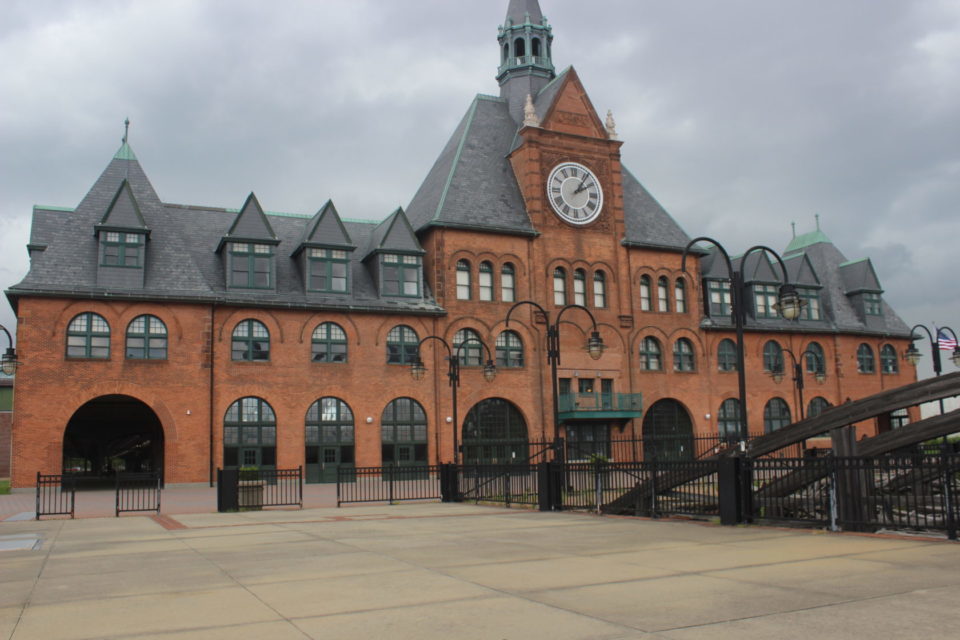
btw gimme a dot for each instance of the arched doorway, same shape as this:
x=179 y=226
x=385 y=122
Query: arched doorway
x=494 y=432
x=667 y=432
x=110 y=434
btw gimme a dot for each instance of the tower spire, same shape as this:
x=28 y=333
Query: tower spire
x=526 y=54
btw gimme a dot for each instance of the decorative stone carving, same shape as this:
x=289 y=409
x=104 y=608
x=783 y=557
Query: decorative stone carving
x=611 y=125
x=530 y=118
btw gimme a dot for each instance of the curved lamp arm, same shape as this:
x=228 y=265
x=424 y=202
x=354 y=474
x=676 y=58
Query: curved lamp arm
x=489 y=369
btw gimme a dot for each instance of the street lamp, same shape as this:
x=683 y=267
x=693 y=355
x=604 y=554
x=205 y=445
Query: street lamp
x=418 y=370
x=789 y=305
x=913 y=355
x=819 y=376
x=9 y=363
x=594 y=348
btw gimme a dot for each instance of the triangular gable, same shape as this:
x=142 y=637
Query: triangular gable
x=859 y=276
x=394 y=234
x=251 y=224
x=571 y=110
x=757 y=268
x=326 y=229
x=801 y=271
x=123 y=212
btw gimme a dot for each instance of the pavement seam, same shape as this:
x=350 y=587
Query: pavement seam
x=43 y=565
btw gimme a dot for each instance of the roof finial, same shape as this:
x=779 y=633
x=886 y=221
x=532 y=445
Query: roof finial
x=817 y=216
x=530 y=118
x=126 y=130
x=610 y=125
x=794 y=226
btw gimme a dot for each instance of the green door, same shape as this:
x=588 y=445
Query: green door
x=250 y=457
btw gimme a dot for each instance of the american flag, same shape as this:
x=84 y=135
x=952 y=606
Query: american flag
x=946 y=341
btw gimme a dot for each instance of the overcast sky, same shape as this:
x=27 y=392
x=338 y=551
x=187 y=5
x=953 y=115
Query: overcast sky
x=739 y=116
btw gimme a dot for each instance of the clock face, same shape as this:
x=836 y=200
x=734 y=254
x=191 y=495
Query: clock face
x=574 y=193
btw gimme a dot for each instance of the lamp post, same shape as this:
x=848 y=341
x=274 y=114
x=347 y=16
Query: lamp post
x=819 y=376
x=594 y=347
x=418 y=370
x=789 y=306
x=9 y=363
x=913 y=354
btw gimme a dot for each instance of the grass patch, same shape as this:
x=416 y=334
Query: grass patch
x=4 y=487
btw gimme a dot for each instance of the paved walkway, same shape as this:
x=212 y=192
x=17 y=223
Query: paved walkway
x=460 y=571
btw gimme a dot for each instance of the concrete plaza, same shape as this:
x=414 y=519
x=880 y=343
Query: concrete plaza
x=461 y=571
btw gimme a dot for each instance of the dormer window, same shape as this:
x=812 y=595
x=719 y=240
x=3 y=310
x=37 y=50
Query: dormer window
x=118 y=249
x=871 y=304
x=400 y=275
x=810 y=309
x=327 y=270
x=765 y=298
x=251 y=265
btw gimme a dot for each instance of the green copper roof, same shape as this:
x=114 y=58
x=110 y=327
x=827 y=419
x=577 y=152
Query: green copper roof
x=124 y=153
x=807 y=239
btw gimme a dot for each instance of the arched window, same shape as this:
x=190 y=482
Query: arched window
x=865 y=363
x=683 y=359
x=663 y=301
x=559 y=287
x=776 y=415
x=817 y=406
x=485 y=282
x=88 y=336
x=899 y=418
x=535 y=47
x=519 y=48
x=772 y=357
x=329 y=343
x=508 y=283
x=509 y=350
x=494 y=432
x=146 y=339
x=816 y=359
x=667 y=432
x=727 y=355
x=728 y=418
x=888 y=359
x=329 y=439
x=403 y=433
x=463 y=280
x=251 y=341
x=650 y=355
x=599 y=290
x=645 y=304
x=580 y=287
x=506 y=52
x=471 y=354
x=680 y=295
x=402 y=344
x=250 y=434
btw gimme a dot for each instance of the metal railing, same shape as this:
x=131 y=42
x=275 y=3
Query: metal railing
x=56 y=495
x=504 y=484
x=598 y=401
x=388 y=484
x=137 y=492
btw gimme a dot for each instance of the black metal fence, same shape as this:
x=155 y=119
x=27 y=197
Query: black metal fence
x=137 y=492
x=56 y=495
x=505 y=484
x=252 y=489
x=388 y=484
x=662 y=448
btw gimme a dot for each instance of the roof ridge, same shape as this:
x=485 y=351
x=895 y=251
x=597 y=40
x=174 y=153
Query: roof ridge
x=456 y=160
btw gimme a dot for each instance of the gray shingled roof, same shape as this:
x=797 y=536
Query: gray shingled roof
x=326 y=229
x=518 y=10
x=647 y=223
x=181 y=263
x=124 y=212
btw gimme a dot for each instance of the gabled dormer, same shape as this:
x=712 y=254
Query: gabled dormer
x=762 y=281
x=122 y=235
x=395 y=258
x=804 y=277
x=249 y=250
x=862 y=287
x=324 y=253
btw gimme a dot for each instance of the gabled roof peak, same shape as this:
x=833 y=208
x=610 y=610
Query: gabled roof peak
x=523 y=11
x=251 y=224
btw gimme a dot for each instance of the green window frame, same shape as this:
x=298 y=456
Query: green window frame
x=403 y=433
x=485 y=282
x=872 y=304
x=865 y=361
x=680 y=295
x=899 y=418
x=560 y=287
x=816 y=364
x=683 y=356
x=645 y=301
x=146 y=339
x=400 y=275
x=719 y=295
x=888 y=359
x=88 y=337
x=251 y=265
x=251 y=341
x=471 y=355
x=650 y=354
x=402 y=345
x=329 y=343
x=250 y=427
x=329 y=424
x=727 y=355
x=463 y=280
x=509 y=350
x=729 y=418
x=328 y=270
x=580 y=287
x=776 y=415
x=772 y=357
x=811 y=306
x=663 y=295
x=817 y=406
x=508 y=283
x=120 y=249
x=600 y=290
x=765 y=299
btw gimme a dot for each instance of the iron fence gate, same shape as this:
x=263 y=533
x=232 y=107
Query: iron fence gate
x=56 y=495
x=389 y=484
x=258 y=488
x=137 y=492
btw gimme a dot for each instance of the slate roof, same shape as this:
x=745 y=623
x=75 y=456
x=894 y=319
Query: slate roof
x=518 y=10
x=181 y=262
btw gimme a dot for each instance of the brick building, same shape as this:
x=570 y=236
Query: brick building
x=184 y=338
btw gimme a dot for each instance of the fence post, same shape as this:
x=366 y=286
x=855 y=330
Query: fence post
x=228 y=490
x=653 y=485
x=390 y=475
x=449 y=487
x=948 y=492
x=730 y=488
x=549 y=479
x=37 y=512
x=597 y=484
x=834 y=526
x=116 y=495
